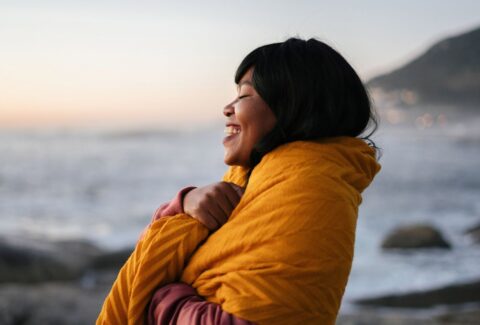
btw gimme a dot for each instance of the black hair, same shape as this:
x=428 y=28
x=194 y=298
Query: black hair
x=313 y=92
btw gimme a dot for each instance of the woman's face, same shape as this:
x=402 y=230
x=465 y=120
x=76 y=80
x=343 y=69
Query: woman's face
x=248 y=119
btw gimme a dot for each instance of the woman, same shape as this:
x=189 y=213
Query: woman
x=273 y=243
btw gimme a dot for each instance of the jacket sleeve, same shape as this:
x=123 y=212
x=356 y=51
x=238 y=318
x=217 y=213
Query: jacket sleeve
x=178 y=303
x=157 y=260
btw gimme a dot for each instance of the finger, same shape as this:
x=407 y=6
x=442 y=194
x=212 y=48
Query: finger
x=215 y=211
x=225 y=206
x=238 y=189
x=224 y=203
x=232 y=194
x=208 y=221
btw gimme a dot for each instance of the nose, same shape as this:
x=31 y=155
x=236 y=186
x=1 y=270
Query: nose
x=229 y=109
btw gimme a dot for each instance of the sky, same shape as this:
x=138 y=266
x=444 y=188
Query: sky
x=104 y=63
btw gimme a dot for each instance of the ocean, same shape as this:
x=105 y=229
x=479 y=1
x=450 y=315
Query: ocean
x=104 y=185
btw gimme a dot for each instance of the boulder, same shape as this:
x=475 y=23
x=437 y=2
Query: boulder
x=449 y=295
x=474 y=232
x=37 y=260
x=111 y=260
x=415 y=236
x=50 y=304
x=453 y=315
x=372 y=316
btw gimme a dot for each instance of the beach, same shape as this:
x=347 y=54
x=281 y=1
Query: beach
x=98 y=189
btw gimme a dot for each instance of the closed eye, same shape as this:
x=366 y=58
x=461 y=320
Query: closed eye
x=243 y=96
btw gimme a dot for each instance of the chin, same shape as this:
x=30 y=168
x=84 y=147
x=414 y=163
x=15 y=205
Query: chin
x=233 y=162
x=228 y=160
x=235 y=159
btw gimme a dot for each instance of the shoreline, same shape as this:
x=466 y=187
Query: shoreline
x=66 y=282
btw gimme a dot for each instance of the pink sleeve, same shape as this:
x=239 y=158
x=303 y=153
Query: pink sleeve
x=178 y=303
x=175 y=206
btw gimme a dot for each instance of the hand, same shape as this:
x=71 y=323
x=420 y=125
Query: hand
x=212 y=204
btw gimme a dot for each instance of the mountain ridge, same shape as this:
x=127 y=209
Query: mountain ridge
x=448 y=72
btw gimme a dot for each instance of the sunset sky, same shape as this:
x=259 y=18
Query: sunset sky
x=165 y=63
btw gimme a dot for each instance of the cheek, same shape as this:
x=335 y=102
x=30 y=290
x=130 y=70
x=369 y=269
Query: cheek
x=267 y=120
x=256 y=120
x=257 y=130
x=257 y=126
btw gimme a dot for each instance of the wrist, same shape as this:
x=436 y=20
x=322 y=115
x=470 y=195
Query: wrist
x=181 y=197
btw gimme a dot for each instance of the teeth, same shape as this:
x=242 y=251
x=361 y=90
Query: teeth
x=232 y=130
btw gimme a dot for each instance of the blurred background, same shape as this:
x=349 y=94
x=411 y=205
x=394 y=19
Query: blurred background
x=108 y=108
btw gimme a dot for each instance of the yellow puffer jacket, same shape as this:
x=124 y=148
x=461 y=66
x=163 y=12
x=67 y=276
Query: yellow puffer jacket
x=284 y=255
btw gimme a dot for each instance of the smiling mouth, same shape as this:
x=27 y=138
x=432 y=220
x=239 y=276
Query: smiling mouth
x=231 y=130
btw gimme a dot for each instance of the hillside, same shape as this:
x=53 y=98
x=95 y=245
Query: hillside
x=447 y=73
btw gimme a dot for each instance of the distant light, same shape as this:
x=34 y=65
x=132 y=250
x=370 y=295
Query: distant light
x=395 y=116
x=408 y=97
x=424 y=121
x=442 y=120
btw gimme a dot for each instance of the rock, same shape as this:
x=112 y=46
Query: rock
x=451 y=315
x=415 y=236
x=463 y=316
x=37 y=260
x=448 y=295
x=78 y=247
x=373 y=316
x=111 y=260
x=52 y=303
x=474 y=232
